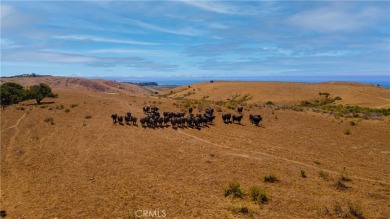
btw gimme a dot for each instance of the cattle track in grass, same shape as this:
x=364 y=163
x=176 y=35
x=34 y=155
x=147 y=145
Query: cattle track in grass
x=249 y=155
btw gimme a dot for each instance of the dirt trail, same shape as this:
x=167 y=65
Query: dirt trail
x=12 y=139
x=249 y=155
x=16 y=124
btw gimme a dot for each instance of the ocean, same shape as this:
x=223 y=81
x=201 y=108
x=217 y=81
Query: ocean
x=383 y=81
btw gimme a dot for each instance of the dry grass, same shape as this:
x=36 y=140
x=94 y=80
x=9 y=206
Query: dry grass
x=106 y=170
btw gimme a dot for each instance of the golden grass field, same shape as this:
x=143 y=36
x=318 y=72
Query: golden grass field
x=85 y=166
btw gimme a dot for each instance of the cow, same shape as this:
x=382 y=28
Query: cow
x=226 y=117
x=120 y=120
x=146 y=109
x=143 y=121
x=134 y=120
x=166 y=121
x=190 y=110
x=173 y=122
x=160 y=121
x=209 y=117
x=196 y=121
x=239 y=109
x=237 y=118
x=127 y=119
x=209 y=111
x=255 y=119
x=114 y=118
x=154 y=109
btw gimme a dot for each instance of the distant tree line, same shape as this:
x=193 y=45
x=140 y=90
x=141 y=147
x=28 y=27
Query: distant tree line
x=149 y=83
x=27 y=75
x=12 y=93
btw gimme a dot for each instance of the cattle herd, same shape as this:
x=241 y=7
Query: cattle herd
x=154 y=119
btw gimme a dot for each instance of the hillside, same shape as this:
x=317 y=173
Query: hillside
x=286 y=92
x=67 y=83
x=67 y=159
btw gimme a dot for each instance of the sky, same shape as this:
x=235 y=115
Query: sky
x=185 y=39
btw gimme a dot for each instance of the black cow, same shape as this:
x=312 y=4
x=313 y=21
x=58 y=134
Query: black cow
x=134 y=120
x=146 y=109
x=167 y=114
x=209 y=111
x=226 y=117
x=190 y=110
x=114 y=117
x=239 y=109
x=196 y=121
x=154 y=109
x=166 y=120
x=255 y=119
x=209 y=117
x=237 y=118
x=143 y=121
x=120 y=120
x=127 y=119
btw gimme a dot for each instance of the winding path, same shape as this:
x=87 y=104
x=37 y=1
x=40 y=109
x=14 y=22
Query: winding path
x=248 y=155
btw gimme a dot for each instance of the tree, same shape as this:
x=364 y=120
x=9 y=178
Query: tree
x=39 y=92
x=11 y=93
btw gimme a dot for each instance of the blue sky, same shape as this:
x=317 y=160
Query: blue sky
x=181 y=39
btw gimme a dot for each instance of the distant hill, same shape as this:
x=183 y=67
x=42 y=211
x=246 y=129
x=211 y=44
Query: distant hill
x=68 y=83
x=285 y=92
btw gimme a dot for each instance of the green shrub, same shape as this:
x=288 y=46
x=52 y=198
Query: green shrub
x=271 y=178
x=234 y=189
x=269 y=103
x=347 y=132
x=259 y=195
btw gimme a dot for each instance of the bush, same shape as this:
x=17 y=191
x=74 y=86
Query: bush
x=303 y=174
x=259 y=195
x=88 y=116
x=243 y=210
x=73 y=105
x=353 y=123
x=49 y=120
x=347 y=132
x=323 y=175
x=269 y=103
x=67 y=110
x=271 y=178
x=344 y=176
x=234 y=189
x=340 y=185
x=355 y=210
x=60 y=107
